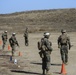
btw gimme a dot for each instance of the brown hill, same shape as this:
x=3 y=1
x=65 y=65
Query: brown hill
x=41 y=20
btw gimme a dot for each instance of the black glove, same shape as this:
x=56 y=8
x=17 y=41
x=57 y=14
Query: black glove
x=69 y=47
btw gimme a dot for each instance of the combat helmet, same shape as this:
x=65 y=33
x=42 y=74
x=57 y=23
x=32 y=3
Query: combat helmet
x=5 y=31
x=63 y=31
x=46 y=34
x=13 y=34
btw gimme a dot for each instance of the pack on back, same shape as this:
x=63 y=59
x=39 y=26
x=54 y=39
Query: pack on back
x=41 y=45
x=63 y=39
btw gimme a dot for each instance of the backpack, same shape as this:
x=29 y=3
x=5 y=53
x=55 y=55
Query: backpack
x=41 y=45
x=63 y=39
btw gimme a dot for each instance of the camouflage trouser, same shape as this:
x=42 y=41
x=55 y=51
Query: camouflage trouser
x=13 y=50
x=4 y=43
x=26 y=42
x=46 y=63
x=64 y=53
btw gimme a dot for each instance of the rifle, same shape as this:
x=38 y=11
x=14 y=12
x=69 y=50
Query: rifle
x=17 y=44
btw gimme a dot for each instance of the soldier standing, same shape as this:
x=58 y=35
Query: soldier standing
x=13 y=42
x=64 y=44
x=45 y=53
x=26 y=36
x=4 y=39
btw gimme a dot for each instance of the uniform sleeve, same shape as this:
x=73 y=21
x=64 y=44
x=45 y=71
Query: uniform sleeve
x=6 y=36
x=68 y=38
x=50 y=43
x=9 y=40
x=47 y=43
x=58 y=41
x=2 y=36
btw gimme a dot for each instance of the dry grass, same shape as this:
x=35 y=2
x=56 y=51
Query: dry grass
x=38 y=21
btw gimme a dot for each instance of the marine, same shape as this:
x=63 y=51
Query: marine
x=26 y=37
x=64 y=44
x=45 y=53
x=13 y=42
x=4 y=39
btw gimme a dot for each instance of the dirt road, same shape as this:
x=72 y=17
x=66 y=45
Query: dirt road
x=30 y=62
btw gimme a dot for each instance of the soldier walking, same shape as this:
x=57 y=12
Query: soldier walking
x=13 y=42
x=26 y=37
x=4 y=39
x=45 y=52
x=64 y=44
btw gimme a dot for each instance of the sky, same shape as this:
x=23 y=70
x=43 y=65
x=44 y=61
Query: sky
x=12 y=6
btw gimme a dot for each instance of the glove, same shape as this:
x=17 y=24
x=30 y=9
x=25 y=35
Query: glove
x=70 y=46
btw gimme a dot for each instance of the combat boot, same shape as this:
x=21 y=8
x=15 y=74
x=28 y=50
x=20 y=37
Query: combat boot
x=48 y=73
x=66 y=63
x=43 y=72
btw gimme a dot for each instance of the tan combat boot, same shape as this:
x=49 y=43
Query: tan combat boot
x=48 y=73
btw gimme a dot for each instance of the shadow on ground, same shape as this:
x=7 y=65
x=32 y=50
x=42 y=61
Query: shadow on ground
x=36 y=63
x=57 y=73
x=53 y=64
x=25 y=72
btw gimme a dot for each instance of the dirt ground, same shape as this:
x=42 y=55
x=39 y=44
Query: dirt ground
x=29 y=63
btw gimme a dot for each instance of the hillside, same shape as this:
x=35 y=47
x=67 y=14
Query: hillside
x=38 y=21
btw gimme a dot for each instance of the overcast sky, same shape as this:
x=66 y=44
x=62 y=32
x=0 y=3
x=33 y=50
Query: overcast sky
x=11 y=6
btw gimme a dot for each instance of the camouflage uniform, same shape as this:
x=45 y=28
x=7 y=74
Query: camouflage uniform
x=13 y=42
x=64 y=46
x=26 y=36
x=46 y=55
x=4 y=39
